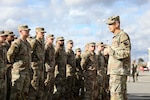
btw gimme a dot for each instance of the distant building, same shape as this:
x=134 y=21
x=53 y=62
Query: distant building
x=148 y=63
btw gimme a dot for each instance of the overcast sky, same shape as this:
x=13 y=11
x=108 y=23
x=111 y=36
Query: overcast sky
x=82 y=21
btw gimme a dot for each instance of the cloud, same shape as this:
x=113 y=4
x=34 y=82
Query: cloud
x=77 y=19
x=11 y=2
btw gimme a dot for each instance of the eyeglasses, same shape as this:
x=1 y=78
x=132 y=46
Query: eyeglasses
x=61 y=40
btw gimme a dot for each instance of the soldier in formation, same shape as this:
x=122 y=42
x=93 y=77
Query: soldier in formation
x=7 y=44
x=60 y=69
x=79 y=81
x=19 y=55
x=101 y=72
x=49 y=66
x=38 y=56
x=70 y=70
x=3 y=62
x=89 y=66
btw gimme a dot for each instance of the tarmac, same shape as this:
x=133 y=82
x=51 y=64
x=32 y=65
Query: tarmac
x=139 y=90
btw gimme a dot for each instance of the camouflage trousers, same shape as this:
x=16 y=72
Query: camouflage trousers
x=37 y=85
x=70 y=82
x=60 y=84
x=20 y=85
x=106 y=90
x=100 y=86
x=90 y=85
x=49 y=86
x=9 y=77
x=118 y=89
x=2 y=89
x=79 y=85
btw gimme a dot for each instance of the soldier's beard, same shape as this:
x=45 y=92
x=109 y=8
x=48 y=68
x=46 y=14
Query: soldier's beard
x=61 y=45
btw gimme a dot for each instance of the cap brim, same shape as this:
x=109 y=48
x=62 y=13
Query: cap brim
x=61 y=40
x=25 y=29
x=52 y=37
x=110 y=22
x=11 y=35
x=41 y=31
x=4 y=35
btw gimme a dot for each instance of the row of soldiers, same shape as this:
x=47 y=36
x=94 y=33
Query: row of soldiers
x=34 y=69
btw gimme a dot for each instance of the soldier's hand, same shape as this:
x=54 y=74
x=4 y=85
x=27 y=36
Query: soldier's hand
x=46 y=82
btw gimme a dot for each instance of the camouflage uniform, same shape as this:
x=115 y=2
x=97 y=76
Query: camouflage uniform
x=50 y=67
x=101 y=73
x=134 y=71
x=7 y=45
x=118 y=63
x=79 y=82
x=19 y=54
x=89 y=65
x=37 y=82
x=60 y=71
x=3 y=61
x=70 y=72
x=106 y=90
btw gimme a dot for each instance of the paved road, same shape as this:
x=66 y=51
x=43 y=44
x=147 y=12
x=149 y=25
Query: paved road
x=139 y=90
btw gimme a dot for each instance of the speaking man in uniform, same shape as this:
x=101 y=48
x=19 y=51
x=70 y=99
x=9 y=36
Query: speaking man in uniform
x=119 y=59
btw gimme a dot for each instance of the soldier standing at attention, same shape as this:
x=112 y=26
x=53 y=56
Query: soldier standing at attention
x=19 y=54
x=89 y=66
x=49 y=66
x=3 y=62
x=7 y=44
x=70 y=70
x=119 y=60
x=60 y=69
x=79 y=82
x=101 y=72
x=38 y=56
x=9 y=39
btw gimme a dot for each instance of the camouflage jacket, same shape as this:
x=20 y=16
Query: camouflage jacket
x=38 y=54
x=7 y=45
x=78 y=63
x=71 y=58
x=60 y=57
x=49 y=58
x=119 y=55
x=101 y=61
x=3 y=61
x=19 y=54
x=89 y=62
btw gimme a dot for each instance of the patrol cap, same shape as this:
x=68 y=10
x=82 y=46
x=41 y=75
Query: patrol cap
x=50 y=36
x=2 y=33
x=60 y=39
x=100 y=44
x=91 y=44
x=23 y=27
x=9 y=33
x=78 y=50
x=40 y=29
x=113 y=19
x=69 y=41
